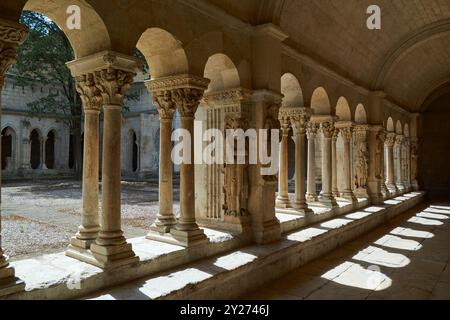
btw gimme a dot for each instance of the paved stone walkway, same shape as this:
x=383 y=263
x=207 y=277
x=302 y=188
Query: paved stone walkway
x=408 y=258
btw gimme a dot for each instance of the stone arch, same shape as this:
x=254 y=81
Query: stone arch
x=35 y=148
x=292 y=91
x=134 y=152
x=343 y=111
x=93 y=36
x=360 y=114
x=222 y=72
x=320 y=102
x=9 y=148
x=398 y=127
x=50 y=144
x=406 y=131
x=200 y=51
x=164 y=53
x=390 y=125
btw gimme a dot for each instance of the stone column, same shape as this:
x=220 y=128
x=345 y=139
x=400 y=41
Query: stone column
x=375 y=141
x=283 y=176
x=407 y=164
x=362 y=161
x=89 y=228
x=347 y=137
x=187 y=99
x=415 y=163
x=334 y=182
x=11 y=36
x=390 y=141
x=399 y=162
x=43 y=153
x=166 y=109
x=311 y=193
x=299 y=119
x=326 y=196
x=113 y=76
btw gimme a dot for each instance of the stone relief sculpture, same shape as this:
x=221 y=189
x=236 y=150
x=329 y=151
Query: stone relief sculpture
x=379 y=153
x=236 y=187
x=362 y=166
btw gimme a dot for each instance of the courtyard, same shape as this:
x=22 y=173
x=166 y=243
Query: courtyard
x=40 y=217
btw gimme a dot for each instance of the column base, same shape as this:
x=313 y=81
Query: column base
x=328 y=201
x=312 y=198
x=361 y=193
x=107 y=257
x=282 y=202
x=415 y=186
x=11 y=285
x=180 y=238
x=349 y=196
x=163 y=227
x=80 y=249
x=269 y=231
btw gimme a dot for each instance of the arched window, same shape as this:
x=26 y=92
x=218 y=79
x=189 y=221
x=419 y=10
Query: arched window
x=50 y=150
x=35 y=148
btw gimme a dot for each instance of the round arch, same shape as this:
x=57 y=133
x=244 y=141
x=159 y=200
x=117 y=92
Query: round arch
x=222 y=72
x=399 y=127
x=390 y=125
x=82 y=40
x=343 y=111
x=9 y=148
x=164 y=53
x=360 y=114
x=292 y=91
x=320 y=102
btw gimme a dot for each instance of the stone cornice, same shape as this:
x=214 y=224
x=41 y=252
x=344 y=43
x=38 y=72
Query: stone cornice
x=104 y=60
x=184 y=81
x=232 y=97
x=271 y=30
x=264 y=95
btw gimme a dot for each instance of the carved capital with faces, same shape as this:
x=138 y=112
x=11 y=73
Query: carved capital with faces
x=327 y=129
x=11 y=36
x=312 y=129
x=164 y=104
x=399 y=139
x=346 y=133
x=187 y=100
x=113 y=84
x=390 y=139
x=89 y=93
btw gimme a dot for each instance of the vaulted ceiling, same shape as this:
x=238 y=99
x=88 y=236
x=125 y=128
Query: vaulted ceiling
x=409 y=58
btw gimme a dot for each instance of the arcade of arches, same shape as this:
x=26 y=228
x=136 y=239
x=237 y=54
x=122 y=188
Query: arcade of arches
x=355 y=114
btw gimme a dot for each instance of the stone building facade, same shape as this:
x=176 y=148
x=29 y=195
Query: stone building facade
x=41 y=147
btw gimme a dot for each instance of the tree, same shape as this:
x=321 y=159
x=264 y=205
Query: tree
x=42 y=59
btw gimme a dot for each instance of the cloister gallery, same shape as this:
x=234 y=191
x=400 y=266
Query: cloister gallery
x=363 y=118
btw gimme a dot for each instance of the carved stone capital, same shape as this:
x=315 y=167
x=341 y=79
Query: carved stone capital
x=186 y=91
x=235 y=121
x=399 y=139
x=327 y=129
x=297 y=117
x=390 y=139
x=89 y=93
x=312 y=129
x=164 y=104
x=227 y=98
x=346 y=133
x=11 y=36
x=187 y=101
x=361 y=132
x=113 y=84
